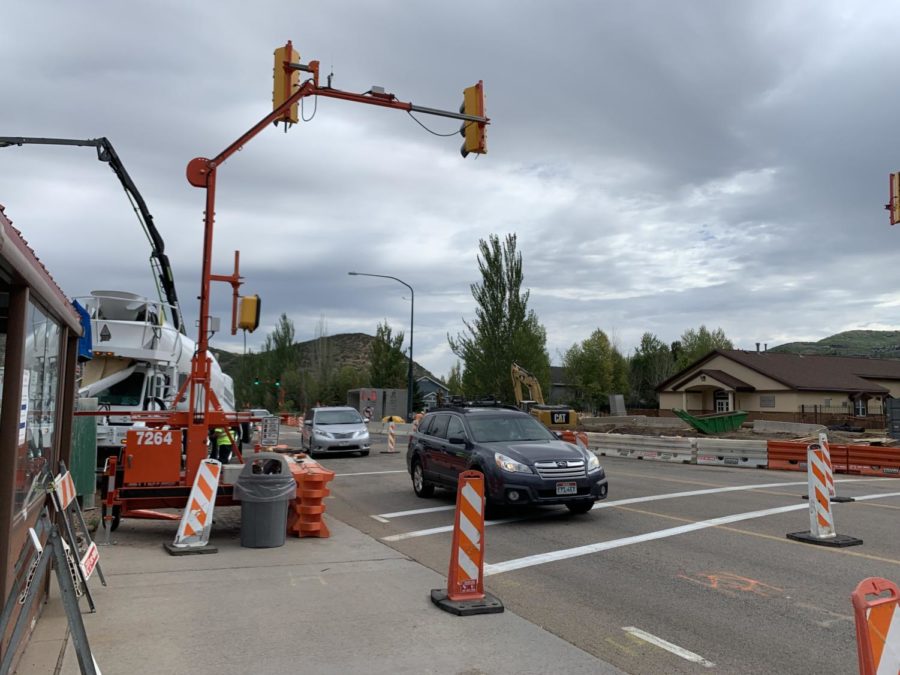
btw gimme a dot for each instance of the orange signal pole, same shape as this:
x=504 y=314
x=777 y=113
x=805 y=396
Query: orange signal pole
x=201 y=173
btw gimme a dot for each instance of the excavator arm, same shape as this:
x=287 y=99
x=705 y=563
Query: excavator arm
x=159 y=260
x=522 y=378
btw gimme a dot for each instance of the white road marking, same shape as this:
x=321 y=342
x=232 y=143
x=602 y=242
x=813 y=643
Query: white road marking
x=879 y=496
x=416 y=512
x=598 y=505
x=449 y=528
x=564 y=554
x=368 y=473
x=711 y=491
x=380 y=519
x=668 y=646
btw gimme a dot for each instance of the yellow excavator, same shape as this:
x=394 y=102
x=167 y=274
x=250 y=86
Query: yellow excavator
x=556 y=417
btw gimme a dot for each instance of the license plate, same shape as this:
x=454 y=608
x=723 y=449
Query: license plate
x=568 y=488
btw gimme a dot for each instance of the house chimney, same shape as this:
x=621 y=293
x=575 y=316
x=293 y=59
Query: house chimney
x=766 y=347
x=757 y=348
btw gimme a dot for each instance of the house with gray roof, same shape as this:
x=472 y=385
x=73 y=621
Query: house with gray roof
x=782 y=386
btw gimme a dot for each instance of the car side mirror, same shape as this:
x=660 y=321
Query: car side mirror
x=457 y=440
x=307 y=423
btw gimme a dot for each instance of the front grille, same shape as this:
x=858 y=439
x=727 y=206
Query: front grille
x=348 y=435
x=573 y=468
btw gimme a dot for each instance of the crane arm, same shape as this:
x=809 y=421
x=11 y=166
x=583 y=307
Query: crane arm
x=106 y=153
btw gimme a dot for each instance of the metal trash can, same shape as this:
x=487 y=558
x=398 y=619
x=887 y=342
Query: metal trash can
x=264 y=487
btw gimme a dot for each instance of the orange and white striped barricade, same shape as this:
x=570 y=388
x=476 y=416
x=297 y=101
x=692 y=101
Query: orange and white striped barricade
x=392 y=439
x=877 y=626
x=832 y=490
x=196 y=521
x=821 y=519
x=465 y=582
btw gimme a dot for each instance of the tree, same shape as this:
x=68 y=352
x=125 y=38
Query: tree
x=695 y=344
x=504 y=330
x=651 y=364
x=596 y=369
x=454 y=380
x=388 y=367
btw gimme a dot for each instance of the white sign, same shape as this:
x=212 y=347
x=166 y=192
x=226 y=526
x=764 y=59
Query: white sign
x=23 y=411
x=90 y=560
x=269 y=432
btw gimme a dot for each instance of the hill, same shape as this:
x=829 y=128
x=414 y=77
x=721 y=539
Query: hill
x=880 y=344
x=345 y=349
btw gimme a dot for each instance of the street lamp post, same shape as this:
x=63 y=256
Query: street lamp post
x=412 y=306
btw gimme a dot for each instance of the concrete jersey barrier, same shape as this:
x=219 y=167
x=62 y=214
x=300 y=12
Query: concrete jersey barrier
x=658 y=449
x=731 y=452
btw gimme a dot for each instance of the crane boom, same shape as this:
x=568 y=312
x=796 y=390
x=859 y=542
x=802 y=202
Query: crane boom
x=159 y=260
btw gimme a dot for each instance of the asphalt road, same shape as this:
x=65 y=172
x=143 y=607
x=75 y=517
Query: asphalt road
x=736 y=597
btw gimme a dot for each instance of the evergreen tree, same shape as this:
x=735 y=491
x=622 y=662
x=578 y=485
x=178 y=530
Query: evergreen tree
x=504 y=330
x=388 y=365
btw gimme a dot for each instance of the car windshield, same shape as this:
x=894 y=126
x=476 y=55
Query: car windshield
x=508 y=428
x=338 y=417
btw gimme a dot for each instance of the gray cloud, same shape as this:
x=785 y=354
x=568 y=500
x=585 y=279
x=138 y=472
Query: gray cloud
x=663 y=164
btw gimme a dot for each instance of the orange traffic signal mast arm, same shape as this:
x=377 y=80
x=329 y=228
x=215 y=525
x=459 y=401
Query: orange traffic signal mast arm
x=201 y=173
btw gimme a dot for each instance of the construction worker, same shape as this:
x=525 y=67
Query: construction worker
x=221 y=449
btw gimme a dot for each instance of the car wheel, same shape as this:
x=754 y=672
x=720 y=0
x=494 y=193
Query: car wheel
x=421 y=487
x=363 y=453
x=582 y=506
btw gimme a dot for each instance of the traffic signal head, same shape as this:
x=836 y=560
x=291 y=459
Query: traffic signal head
x=255 y=380
x=278 y=383
x=285 y=80
x=475 y=133
x=248 y=313
x=894 y=205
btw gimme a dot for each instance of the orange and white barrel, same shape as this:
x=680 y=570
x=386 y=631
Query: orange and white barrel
x=392 y=437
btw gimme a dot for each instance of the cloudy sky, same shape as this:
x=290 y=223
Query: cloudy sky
x=664 y=164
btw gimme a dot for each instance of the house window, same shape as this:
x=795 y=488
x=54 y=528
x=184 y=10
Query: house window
x=826 y=402
x=721 y=401
x=767 y=401
x=860 y=407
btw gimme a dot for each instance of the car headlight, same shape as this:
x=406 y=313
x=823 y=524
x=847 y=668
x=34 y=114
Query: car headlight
x=593 y=463
x=362 y=433
x=322 y=434
x=510 y=465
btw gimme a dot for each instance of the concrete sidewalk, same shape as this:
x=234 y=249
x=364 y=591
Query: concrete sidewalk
x=346 y=604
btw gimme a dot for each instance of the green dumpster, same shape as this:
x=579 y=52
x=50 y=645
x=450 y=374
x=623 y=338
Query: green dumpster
x=83 y=463
x=715 y=423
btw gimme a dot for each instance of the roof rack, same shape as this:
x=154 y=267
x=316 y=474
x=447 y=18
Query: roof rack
x=461 y=404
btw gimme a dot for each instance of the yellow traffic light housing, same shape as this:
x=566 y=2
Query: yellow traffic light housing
x=248 y=314
x=894 y=205
x=475 y=133
x=285 y=81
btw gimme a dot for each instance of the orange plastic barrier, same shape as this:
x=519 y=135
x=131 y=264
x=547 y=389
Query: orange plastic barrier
x=305 y=512
x=791 y=456
x=877 y=626
x=575 y=437
x=872 y=460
